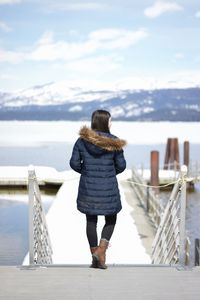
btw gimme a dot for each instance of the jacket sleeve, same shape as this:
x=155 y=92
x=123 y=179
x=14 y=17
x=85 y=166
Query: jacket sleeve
x=76 y=160
x=120 y=162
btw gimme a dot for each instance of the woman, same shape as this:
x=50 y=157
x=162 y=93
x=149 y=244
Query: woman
x=98 y=156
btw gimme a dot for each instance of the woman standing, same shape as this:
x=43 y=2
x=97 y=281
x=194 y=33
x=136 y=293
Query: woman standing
x=98 y=156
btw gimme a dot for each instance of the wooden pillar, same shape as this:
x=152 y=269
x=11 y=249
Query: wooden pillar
x=155 y=170
x=167 y=154
x=172 y=154
x=176 y=158
x=186 y=153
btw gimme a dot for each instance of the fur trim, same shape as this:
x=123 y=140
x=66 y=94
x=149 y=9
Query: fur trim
x=107 y=143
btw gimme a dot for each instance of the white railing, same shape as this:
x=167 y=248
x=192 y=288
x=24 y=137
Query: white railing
x=171 y=245
x=149 y=200
x=40 y=249
x=194 y=169
x=197 y=252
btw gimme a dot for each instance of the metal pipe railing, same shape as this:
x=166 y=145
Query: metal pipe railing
x=40 y=249
x=170 y=245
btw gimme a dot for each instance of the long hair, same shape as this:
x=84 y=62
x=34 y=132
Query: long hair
x=100 y=120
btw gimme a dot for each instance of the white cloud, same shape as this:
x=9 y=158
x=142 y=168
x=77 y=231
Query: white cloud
x=179 y=55
x=5 y=27
x=47 y=49
x=99 y=64
x=104 y=39
x=11 y=56
x=197 y=15
x=8 y=77
x=161 y=7
x=2 y=2
x=46 y=38
x=77 y=6
x=117 y=39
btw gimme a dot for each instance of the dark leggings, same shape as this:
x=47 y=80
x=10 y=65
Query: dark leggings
x=107 y=231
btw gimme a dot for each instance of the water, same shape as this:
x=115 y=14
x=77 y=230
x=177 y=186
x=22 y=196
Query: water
x=50 y=144
x=14 y=224
x=57 y=155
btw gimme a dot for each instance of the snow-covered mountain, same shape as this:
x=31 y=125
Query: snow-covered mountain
x=55 y=101
x=56 y=93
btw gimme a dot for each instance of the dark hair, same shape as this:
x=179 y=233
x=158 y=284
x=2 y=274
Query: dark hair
x=100 y=119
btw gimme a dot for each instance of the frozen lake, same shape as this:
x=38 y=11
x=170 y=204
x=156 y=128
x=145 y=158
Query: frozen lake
x=50 y=143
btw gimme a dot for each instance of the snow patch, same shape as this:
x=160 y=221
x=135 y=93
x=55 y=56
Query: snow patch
x=75 y=108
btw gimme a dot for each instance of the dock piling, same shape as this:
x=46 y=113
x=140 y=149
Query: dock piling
x=172 y=154
x=155 y=170
x=186 y=148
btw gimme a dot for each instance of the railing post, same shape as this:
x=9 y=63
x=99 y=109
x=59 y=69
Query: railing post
x=182 y=254
x=31 y=205
x=197 y=247
x=40 y=249
x=147 y=202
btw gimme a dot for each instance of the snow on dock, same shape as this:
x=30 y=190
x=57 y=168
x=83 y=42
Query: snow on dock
x=165 y=176
x=17 y=176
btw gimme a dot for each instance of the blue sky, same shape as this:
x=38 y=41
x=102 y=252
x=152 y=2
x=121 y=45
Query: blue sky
x=132 y=43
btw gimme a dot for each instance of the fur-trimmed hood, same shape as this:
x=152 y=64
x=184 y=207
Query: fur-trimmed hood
x=101 y=140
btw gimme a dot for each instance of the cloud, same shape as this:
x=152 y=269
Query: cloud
x=100 y=64
x=5 y=27
x=103 y=40
x=8 y=77
x=11 y=56
x=197 y=15
x=46 y=38
x=99 y=40
x=77 y=6
x=179 y=56
x=161 y=7
x=4 y=2
x=117 y=39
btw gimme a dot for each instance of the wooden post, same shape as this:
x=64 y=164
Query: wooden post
x=186 y=151
x=167 y=154
x=155 y=170
x=176 y=154
x=172 y=154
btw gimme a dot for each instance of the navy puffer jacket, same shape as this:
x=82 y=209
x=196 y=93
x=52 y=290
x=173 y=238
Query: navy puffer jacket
x=98 y=157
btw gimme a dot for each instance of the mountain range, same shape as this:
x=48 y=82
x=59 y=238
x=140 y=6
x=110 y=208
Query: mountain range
x=57 y=101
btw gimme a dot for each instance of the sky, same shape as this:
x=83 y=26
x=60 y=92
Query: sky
x=126 y=43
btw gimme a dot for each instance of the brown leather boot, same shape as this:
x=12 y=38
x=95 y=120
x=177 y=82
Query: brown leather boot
x=100 y=254
x=94 y=261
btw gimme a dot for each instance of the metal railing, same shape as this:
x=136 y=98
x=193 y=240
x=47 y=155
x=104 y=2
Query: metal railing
x=40 y=249
x=194 y=169
x=149 y=200
x=197 y=252
x=171 y=245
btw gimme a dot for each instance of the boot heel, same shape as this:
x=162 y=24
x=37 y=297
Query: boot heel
x=95 y=262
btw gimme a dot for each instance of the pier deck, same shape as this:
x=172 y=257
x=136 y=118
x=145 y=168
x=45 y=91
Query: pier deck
x=117 y=282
